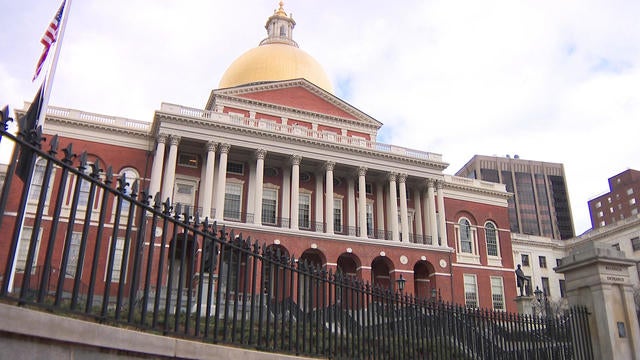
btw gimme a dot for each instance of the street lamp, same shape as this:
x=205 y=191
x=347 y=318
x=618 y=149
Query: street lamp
x=542 y=296
x=401 y=281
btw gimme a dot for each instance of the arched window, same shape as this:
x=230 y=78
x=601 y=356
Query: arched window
x=491 y=235
x=131 y=177
x=466 y=241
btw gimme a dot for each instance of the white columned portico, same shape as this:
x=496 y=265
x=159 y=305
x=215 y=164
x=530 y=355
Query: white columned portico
x=328 y=206
x=170 y=169
x=441 y=215
x=295 y=189
x=286 y=197
x=208 y=179
x=417 y=205
x=431 y=211
x=379 y=211
x=393 y=205
x=404 y=214
x=351 y=206
x=222 y=181
x=259 y=180
x=156 y=168
x=362 y=201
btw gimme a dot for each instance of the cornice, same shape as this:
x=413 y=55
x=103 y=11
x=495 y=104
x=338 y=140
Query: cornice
x=477 y=190
x=96 y=126
x=189 y=123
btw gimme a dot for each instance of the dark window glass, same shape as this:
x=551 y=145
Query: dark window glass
x=543 y=261
x=526 y=204
x=525 y=260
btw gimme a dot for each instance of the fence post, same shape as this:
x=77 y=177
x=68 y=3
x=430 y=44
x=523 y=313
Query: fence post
x=598 y=279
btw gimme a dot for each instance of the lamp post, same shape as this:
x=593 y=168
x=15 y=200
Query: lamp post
x=400 y=282
x=542 y=296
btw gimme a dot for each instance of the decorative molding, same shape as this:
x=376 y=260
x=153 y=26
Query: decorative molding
x=362 y=171
x=296 y=159
x=402 y=178
x=329 y=165
x=211 y=146
x=174 y=140
x=392 y=176
x=224 y=148
x=260 y=153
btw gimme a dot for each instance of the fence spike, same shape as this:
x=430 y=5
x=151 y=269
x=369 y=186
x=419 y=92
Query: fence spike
x=95 y=169
x=134 y=190
x=122 y=182
x=83 y=161
x=53 y=145
x=108 y=176
x=68 y=154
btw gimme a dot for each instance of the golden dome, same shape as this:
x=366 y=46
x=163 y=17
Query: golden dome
x=276 y=58
x=273 y=62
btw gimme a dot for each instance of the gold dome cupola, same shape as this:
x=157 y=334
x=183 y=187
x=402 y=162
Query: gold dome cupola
x=277 y=58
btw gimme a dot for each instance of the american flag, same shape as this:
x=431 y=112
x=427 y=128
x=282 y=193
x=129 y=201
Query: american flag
x=49 y=37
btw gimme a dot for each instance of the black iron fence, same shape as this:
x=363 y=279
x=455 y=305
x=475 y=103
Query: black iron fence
x=80 y=241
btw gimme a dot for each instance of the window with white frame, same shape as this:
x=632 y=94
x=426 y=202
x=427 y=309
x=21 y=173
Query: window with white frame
x=23 y=249
x=85 y=187
x=36 y=181
x=117 y=260
x=131 y=177
x=337 y=215
x=465 y=236
x=369 y=219
x=74 y=253
x=497 y=293
x=232 y=201
x=269 y=206
x=304 y=211
x=470 y=291
x=184 y=193
x=491 y=235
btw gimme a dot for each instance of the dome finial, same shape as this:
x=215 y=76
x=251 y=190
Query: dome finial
x=281 y=9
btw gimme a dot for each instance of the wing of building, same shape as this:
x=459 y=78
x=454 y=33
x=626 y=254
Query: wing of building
x=274 y=154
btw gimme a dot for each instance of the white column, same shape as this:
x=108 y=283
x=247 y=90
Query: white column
x=286 y=196
x=295 y=189
x=319 y=216
x=170 y=169
x=260 y=154
x=156 y=168
x=351 y=205
x=431 y=212
x=393 y=208
x=379 y=210
x=418 y=215
x=404 y=214
x=328 y=206
x=222 y=181
x=362 y=201
x=441 y=215
x=251 y=196
x=208 y=179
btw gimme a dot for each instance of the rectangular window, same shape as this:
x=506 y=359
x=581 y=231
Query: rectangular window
x=629 y=191
x=337 y=215
x=632 y=201
x=558 y=262
x=74 y=252
x=616 y=246
x=235 y=168
x=545 y=286
x=117 y=260
x=304 y=211
x=369 y=219
x=36 y=182
x=635 y=243
x=492 y=240
x=525 y=259
x=232 y=201
x=23 y=249
x=188 y=160
x=542 y=260
x=562 y=288
x=497 y=293
x=269 y=206
x=470 y=291
x=369 y=189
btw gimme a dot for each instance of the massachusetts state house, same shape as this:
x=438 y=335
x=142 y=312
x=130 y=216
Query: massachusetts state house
x=275 y=155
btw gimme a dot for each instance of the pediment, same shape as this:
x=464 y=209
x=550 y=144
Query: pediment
x=297 y=94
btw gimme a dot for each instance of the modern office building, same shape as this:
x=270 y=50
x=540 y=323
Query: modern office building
x=274 y=154
x=621 y=202
x=540 y=203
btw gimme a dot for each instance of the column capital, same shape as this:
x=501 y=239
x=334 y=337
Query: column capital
x=439 y=184
x=362 y=171
x=329 y=165
x=392 y=176
x=296 y=159
x=211 y=146
x=162 y=138
x=430 y=183
x=175 y=140
x=224 y=148
x=402 y=178
x=260 y=154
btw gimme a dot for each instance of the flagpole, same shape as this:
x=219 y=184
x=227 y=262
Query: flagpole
x=54 y=63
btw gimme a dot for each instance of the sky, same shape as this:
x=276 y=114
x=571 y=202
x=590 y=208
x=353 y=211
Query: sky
x=553 y=81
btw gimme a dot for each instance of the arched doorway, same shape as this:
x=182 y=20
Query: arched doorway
x=349 y=265
x=381 y=273
x=423 y=280
x=311 y=287
x=182 y=261
x=275 y=274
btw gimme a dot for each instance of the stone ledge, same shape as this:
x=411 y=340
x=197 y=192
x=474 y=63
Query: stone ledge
x=54 y=328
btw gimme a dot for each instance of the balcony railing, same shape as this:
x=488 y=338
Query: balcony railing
x=296 y=130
